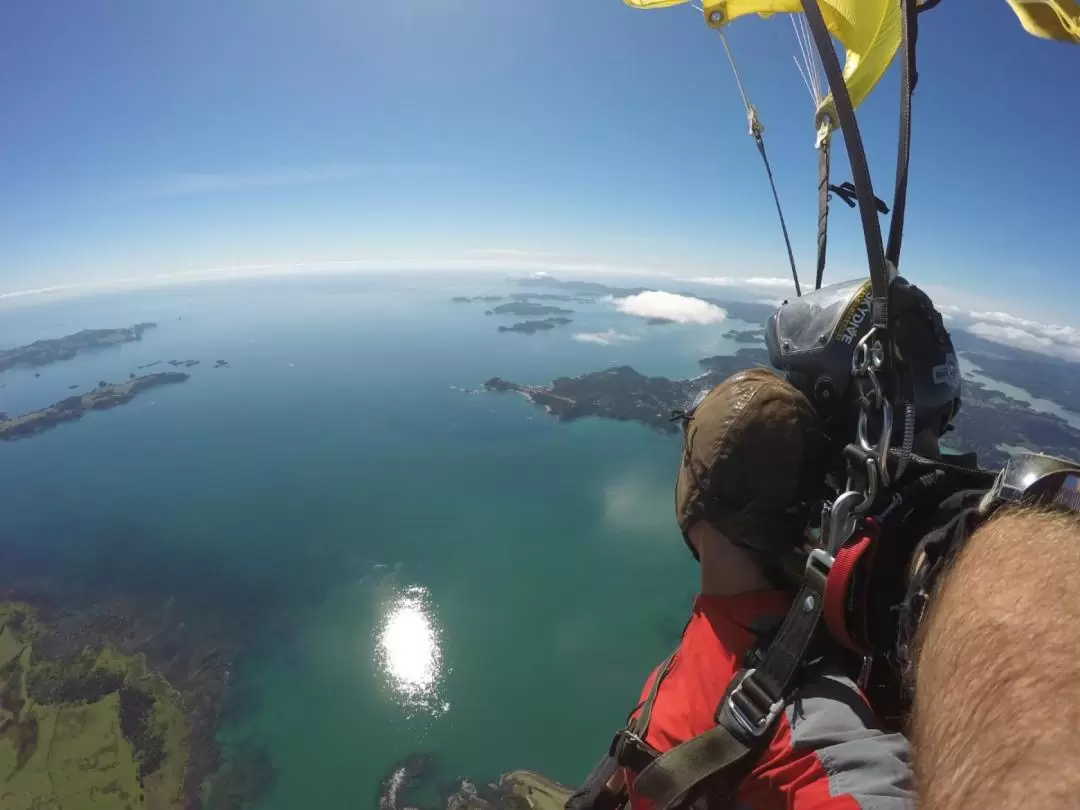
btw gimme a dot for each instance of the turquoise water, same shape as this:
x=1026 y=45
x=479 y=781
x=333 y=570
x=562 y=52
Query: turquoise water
x=418 y=568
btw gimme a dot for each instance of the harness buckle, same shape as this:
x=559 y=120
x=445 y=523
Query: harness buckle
x=755 y=728
x=630 y=751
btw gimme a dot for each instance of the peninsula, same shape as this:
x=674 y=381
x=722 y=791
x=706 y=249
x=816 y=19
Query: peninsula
x=625 y=394
x=106 y=395
x=53 y=350
x=532 y=327
x=989 y=423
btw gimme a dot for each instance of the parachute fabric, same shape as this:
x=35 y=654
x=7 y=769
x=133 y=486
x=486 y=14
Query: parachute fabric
x=1049 y=19
x=869 y=30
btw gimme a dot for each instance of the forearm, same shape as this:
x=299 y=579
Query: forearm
x=997 y=677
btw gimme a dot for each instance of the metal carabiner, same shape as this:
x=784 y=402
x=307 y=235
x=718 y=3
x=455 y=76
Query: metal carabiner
x=842 y=520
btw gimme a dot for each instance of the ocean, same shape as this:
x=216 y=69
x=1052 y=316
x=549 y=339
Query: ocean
x=418 y=566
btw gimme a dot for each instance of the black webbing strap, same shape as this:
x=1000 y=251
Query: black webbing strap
x=717 y=762
x=628 y=747
x=845 y=112
x=779 y=211
x=640 y=724
x=908 y=77
x=822 y=208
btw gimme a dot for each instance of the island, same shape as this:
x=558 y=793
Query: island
x=465 y=299
x=184 y=363
x=53 y=350
x=746 y=336
x=989 y=423
x=528 y=308
x=106 y=395
x=532 y=327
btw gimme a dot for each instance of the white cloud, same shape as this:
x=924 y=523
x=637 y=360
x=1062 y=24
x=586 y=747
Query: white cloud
x=671 y=307
x=1060 y=341
x=1002 y=327
x=184 y=184
x=752 y=281
x=608 y=338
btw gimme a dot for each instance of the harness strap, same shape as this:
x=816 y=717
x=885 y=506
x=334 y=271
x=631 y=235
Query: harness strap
x=719 y=760
x=716 y=760
x=837 y=589
x=908 y=77
x=640 y=724
x=880 y=275
x=823 y=189
x=628 y=746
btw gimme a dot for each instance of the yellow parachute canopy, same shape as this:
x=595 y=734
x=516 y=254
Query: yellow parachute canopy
x=869 y=30
x=1049 y=19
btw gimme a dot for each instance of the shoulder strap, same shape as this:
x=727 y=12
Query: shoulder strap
x=628 y=746
x=719 y=760
x=908 y=77
x=640 y=724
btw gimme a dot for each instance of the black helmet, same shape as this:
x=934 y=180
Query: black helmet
x=813 y=340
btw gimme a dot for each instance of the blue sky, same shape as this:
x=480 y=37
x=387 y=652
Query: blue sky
x=142 y=138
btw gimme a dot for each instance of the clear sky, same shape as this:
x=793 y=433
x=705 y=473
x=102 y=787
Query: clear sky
x=142 y=138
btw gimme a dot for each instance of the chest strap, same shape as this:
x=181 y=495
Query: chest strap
x=717 y=761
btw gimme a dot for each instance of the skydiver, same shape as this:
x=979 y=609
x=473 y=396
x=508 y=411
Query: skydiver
x=749 y=474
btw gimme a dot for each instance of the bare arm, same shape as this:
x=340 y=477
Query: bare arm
x=997 y=677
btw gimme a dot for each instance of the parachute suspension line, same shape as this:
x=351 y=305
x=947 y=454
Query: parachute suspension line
x=756 y=130
x=849 y=126
x=812 y=79
x=810 y=76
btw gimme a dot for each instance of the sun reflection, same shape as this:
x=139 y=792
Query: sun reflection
x=408 y=650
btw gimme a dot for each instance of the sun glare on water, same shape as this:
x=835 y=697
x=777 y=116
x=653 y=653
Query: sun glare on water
x=408 y=650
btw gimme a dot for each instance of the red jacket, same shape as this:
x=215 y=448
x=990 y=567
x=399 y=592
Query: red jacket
x=827 y=751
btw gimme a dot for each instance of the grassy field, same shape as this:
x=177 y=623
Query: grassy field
x=93 y=731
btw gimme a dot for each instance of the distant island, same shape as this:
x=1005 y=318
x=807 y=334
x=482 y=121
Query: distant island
x=747 y=311
x=106 y=395
x=465 y=299
x=532 y=327
x=658 y=321
x=988 y=422
x=746 y=336
x=579 y=299
x=53 y=350
x=527 y=308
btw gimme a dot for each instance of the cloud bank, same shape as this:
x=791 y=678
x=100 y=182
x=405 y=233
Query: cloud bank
x=1001 y=327
x=608 y=338
x=670 y=307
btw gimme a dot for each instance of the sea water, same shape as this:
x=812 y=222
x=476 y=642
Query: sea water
x=419 y=566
